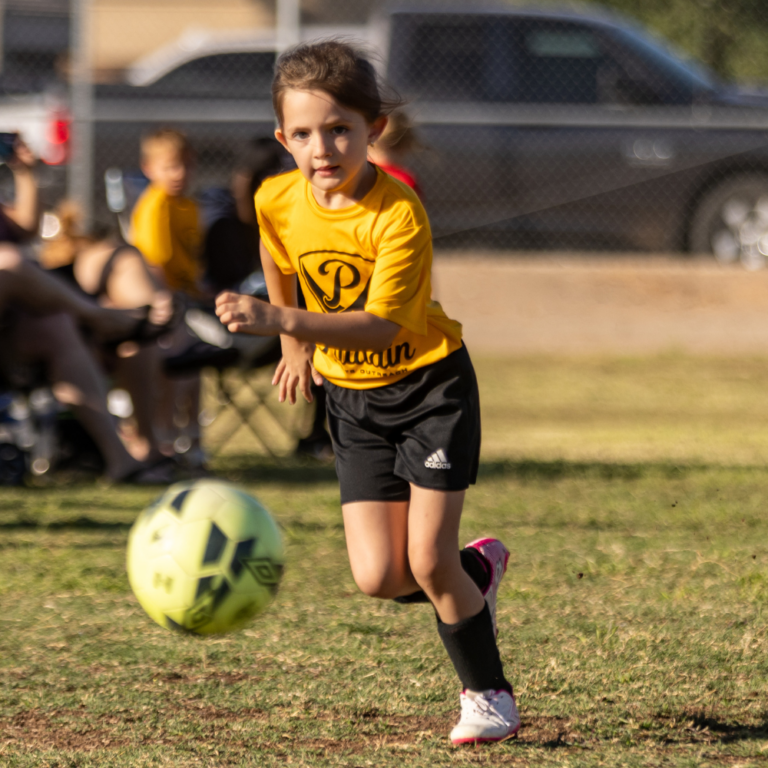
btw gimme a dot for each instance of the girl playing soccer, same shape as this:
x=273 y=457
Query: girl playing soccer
x=403 y=407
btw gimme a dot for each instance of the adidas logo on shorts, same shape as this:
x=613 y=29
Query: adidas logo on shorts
x=438 y=460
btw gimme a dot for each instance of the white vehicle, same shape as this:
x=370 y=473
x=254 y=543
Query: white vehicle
x=42 y=121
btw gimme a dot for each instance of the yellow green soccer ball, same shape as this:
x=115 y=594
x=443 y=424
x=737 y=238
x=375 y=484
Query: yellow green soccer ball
x=205 y=558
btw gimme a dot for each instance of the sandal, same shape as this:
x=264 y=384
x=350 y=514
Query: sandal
x=145 y=330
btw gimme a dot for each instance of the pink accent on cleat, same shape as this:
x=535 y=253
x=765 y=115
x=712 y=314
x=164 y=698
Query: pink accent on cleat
x=497 y=557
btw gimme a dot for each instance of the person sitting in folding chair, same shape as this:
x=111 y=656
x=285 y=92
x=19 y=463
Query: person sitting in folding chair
x=116 y=275
x=39 y=319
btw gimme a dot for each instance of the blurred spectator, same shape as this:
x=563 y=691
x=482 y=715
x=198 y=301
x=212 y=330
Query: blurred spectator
x=116 y=275
x=231 y=246
x=19 y=220
x=164 y=224
x=391 y=150
x=38 y=322
x=165 y=228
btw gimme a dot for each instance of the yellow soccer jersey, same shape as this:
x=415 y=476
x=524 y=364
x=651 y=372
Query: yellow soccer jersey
x=374 y=256
x=166 y=230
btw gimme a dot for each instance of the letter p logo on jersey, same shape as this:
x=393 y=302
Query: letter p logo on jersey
x=337 y=281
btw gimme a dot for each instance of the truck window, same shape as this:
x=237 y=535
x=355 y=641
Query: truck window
x=676 y=81
x=450 y=58
x=222 y=75
x=560 y=62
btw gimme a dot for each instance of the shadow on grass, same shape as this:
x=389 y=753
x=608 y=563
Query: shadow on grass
x=530 y=469
x=728 y=732
x=299 y=471
x=303 y=472
x=77 y=523
x=260 y=469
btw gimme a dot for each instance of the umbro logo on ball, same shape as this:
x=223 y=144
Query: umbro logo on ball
x=438 y=460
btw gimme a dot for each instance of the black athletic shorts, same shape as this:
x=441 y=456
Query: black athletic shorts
x=423 y=429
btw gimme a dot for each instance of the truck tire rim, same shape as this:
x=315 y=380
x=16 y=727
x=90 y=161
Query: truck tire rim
x=742 y=233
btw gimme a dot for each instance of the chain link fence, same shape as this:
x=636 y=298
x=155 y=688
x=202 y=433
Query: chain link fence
x=625 y=126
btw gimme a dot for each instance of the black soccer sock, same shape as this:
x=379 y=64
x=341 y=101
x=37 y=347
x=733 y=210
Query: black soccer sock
x=414 y=597
x=471 y=646
x=476 y=567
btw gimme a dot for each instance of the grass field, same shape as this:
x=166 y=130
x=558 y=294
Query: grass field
x=633 y=496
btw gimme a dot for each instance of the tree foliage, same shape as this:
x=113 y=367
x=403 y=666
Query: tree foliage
x=729 y=36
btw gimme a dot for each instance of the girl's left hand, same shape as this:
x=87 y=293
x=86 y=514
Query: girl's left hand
x=244 y=314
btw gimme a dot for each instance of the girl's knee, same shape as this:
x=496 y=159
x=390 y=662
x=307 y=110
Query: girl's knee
x=382 y=584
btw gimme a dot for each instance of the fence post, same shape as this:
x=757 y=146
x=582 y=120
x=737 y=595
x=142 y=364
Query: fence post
x=80 y=180
x=288 y=23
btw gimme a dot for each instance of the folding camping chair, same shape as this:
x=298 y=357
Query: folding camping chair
x=237 y=395
x=236 y=398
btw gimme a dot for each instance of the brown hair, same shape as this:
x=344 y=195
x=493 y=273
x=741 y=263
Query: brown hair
x=339 y=69
x=165 y=138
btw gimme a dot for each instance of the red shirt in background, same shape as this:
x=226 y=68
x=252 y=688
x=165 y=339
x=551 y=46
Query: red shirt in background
x=401 y=174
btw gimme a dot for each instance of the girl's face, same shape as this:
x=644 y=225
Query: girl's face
x=329 y=143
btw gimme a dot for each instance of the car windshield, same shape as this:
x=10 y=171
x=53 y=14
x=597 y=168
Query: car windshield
x=693 y=74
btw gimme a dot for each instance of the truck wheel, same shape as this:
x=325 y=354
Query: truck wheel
x=731 y=221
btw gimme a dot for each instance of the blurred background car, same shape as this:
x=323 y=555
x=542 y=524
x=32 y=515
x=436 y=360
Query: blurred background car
x=559 y=127
x=541 y=127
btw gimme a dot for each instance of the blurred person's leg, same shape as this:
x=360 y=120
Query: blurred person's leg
x=188 y=421
x=178 y=406
x=140 y=374
x=77 y=382
x=165 y=409
x=177 y=418
x=24 y=283
x=119 y=277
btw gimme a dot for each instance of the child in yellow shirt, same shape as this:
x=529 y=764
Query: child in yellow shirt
x=166 y=229
x=164 y=224
x=402 y=399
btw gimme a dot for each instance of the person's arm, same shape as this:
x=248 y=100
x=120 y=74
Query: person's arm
x=157 y=274
x=151 y=235
x=24 y=212
x=345 y=330
x=299 y=329
x=295 y=368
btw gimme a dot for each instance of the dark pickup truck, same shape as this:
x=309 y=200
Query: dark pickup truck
x=565 y=128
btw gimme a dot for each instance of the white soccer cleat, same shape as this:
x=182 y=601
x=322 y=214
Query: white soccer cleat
x=486 y=716
x=497 y=555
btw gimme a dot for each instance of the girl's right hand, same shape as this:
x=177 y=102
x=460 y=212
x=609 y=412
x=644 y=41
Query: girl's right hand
x=295 y=369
